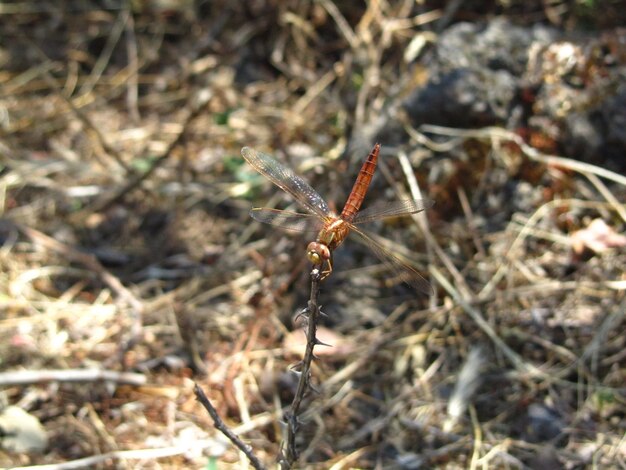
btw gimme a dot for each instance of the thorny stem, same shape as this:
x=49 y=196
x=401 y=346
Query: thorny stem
x=312 y=313
x=221 y=426
x=289 y=452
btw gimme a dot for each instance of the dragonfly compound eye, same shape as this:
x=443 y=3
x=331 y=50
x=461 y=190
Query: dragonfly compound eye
x=317 y=252
x=314 y=257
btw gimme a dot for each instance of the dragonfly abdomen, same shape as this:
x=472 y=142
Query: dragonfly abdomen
x=363 y=180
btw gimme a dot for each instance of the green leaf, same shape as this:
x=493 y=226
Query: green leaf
x=233 y=163
x=211 y=464
x=143 y=164
x=221 y=119
x=357 y=80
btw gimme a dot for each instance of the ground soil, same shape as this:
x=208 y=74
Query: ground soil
x=130 y=268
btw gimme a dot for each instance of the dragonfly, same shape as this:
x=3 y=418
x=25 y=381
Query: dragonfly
x=334 y=228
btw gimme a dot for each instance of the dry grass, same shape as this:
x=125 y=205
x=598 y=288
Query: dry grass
x=127 y=247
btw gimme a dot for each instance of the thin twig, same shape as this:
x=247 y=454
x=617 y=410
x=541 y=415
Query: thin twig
x=105 y=56
x=28 y=377
x=470 y=220
x=608 y=195
x=342 y=23
x=312 y=313
x=136 y=454
x=422 y=222
x=532 y=153
x=221 y=426
x=132 y=87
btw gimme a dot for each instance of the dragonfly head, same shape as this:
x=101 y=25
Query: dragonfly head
x=317 y=252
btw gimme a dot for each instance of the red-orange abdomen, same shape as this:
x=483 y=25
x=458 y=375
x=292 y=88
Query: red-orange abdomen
x=363 y=180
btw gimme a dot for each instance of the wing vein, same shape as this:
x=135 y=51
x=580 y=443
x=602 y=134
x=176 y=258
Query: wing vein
x=405 y=272
x=287 y=180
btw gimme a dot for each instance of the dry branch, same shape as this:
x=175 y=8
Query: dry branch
x=311 y=313
x=221 y=426
x=29 y=377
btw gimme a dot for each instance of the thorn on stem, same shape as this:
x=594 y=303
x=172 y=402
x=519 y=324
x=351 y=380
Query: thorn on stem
x=297 y=366
x=318 y=342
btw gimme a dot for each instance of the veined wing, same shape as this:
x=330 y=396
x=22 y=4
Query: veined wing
x=287 y=219
x=383 y=210
x=404 y=272
x=287 y=180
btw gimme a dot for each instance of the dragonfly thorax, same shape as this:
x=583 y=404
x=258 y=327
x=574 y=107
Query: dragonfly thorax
x=330 y=237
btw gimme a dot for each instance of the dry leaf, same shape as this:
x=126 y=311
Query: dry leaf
x=598 y=237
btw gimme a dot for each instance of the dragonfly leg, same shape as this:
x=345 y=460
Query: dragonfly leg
x=329 y=270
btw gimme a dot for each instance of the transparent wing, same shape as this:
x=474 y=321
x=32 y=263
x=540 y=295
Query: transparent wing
x=382 y=210
x=287 y=180
x=287 y=219
x=404 y=272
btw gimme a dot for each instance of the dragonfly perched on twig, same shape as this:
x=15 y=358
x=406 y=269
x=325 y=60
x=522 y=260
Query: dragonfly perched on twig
x=333 y=228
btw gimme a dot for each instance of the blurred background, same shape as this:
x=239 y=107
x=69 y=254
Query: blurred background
x=130 y=267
